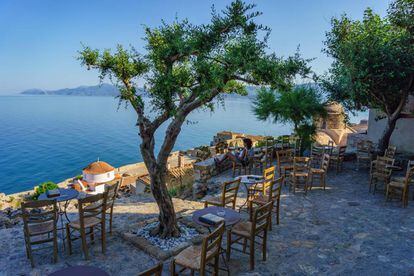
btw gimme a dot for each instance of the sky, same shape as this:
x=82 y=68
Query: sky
x=39 y=39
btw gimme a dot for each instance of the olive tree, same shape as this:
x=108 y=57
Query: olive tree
x=186 y=67
x=373 y=63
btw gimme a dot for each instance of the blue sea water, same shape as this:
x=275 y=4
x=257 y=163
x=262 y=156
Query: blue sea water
x=53 y=137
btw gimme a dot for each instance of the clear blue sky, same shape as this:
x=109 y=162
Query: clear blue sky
x=39 y=40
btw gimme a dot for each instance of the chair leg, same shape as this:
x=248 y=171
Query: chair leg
x=84 y=245
x=264 y=245
x=216 y=264
x=55 y=247
x=244 y=245
x=251 y=253
x=29 y=252
x=103 y=233
x=172 y=267
x=278 y=211
x=228 y=251
x=69 y=239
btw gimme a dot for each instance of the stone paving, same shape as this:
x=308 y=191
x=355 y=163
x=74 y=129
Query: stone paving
x=343 y=230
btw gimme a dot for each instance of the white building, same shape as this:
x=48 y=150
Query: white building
x=98 y=172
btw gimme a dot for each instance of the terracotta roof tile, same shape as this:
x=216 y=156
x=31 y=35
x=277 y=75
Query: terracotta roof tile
x=98 y=168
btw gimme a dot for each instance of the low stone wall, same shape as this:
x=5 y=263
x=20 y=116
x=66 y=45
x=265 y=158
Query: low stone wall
x=204 y=171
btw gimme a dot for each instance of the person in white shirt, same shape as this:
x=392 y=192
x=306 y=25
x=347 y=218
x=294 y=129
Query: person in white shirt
x=240 y=157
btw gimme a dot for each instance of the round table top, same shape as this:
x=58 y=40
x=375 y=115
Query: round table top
x=80 y=270
x=250 y=179
x=65 y=195
x=231 y=217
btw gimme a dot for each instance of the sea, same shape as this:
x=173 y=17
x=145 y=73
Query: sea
x=51 y=138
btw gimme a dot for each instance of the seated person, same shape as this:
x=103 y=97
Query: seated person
x=242 y=157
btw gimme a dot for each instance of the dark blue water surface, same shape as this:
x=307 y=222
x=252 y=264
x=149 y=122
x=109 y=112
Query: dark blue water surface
x=53 y=137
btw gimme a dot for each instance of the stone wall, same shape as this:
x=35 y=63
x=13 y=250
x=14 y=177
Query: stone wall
x=204 y=171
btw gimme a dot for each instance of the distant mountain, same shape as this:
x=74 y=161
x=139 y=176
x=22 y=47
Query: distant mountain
x=96 y=90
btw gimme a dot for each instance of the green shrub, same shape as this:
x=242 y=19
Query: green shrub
x=42 y=188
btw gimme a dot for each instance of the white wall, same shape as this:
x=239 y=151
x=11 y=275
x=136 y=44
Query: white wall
x=402 y=137
x=99 y=178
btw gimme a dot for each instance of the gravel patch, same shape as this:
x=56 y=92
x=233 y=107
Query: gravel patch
x=187 y=233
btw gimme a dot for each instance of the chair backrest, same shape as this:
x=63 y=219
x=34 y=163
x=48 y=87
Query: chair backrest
x=153 y=271
x=390 y=151
x=229 y=192
x=301 y=164
x=284 y=156
x=112 y=192
x=381 y=166
x=269 y=173
x=261 y=218
x=325 y=161
x=92 y=206
x=272 y=189
x=286 y=141
x=341 y=152
x=40 y=212
x=364 y=146
x=211 y=246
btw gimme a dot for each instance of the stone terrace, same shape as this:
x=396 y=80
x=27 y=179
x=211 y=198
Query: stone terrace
x=343 y=230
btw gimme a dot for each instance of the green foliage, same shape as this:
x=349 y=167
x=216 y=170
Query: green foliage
x=373 y=63
x=173 y=192
x=185 y=63
x=373 y=59
x=43 y=187
x=298 y=106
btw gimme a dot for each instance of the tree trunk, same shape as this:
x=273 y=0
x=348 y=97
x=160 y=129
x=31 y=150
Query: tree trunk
x=168 y=226
x=386 y=135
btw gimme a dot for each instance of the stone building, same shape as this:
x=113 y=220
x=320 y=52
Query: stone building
x=403 y=134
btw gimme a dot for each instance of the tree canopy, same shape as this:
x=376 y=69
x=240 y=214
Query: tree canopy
x=373 y=63
x=299 y=106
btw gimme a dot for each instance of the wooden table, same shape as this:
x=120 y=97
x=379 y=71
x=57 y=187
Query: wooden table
x=231 y=217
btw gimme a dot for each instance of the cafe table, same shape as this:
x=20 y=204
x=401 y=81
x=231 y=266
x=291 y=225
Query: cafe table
x=230 y=216
x=248 y=181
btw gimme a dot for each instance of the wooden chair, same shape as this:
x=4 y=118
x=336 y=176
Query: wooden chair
x=271 y=191
x=153 y=271
x=237 y=165
x=228 y=195
x=364 y=153
x=196 y=257
x=112 y=192
x=92 y=210
x=380 y=173
x=337 y=158
x=320 y=172
x=410 y=164
x=317 y=151
x=284 y=162
x=390 y=152
x=300 y=173
x=257 y=163
x=39 y=226
x=401 y=188
x=250 y=231
x=268 y=175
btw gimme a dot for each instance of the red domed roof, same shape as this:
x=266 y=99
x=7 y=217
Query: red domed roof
x=98 y=167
